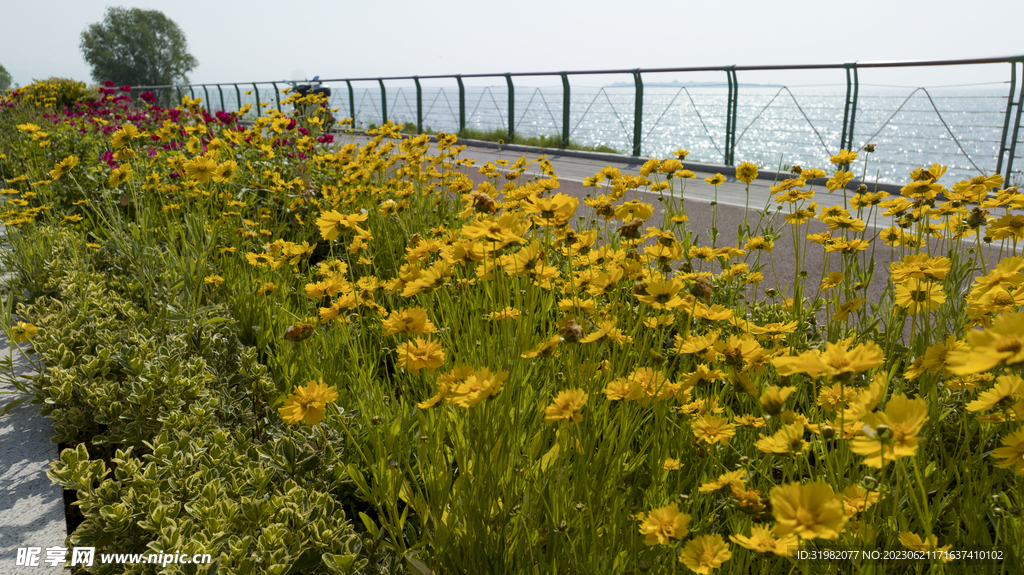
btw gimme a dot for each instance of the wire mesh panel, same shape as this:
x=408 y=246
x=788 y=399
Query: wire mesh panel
x=782 y=126
x=602 y=117
x=441 y=109
x=538 y=111
x=688 y=117
x=958 y=127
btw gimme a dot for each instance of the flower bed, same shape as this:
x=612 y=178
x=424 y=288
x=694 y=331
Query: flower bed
x=253 y=333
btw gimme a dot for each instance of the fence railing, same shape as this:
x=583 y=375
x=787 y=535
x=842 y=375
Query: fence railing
x=976 y=132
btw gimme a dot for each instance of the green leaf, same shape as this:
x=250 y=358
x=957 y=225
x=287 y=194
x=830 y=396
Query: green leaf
x=416 y=566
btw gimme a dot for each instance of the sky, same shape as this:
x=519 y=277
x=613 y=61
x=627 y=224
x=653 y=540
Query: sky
x=261 y=40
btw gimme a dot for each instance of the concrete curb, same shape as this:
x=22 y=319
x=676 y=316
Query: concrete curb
x=31 y=506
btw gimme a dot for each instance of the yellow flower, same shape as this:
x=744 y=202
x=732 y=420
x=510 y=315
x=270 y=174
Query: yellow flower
x=119 y=175
x=810 y=511
x=729 y=480
x=225 y=171
x=477 y=386
x=715 y=180
x=419 y=354
x=985 y=349
x=857 y=499
x=839 y=180
x=566 y=407
x=713 y=429
x=123 y=135
x=22 y=332
x=633 y=209
x=1012 y=454
x=412 y=321
x=835 y=361
x=1005 y=394
x=266 y=289
x=214 y=280
x=662 y=294
x=843 y=158
x=916 y=295
x=787 y=441
x=746 y=172
x=307 y=403
x=705 y=553
x=200 y=168
x=64 y=166
x=914 y=542
x=763 y=540
x=663 y=524
x=331 y=222
x=774 y=397
x=892 y=434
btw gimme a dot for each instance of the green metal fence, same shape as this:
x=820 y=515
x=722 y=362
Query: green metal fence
x=266 y=94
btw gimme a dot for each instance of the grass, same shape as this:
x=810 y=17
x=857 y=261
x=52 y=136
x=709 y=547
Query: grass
x=501 y=135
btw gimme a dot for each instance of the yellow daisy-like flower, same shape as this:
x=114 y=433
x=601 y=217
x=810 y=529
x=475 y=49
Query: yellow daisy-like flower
x=713 y=429
x=64 y=166
x=225 y=171
x=705 y=553
x=746 y=172
x=787 y=441
x=763 y=540
x=725 y=481
x=715 y=180
x=857 y=499
x=22 y=332
x=916 y=295
x=566 y=407
x=213 y=280
x=811 y=511
x=119 y=175
x=420 y=354
x=892 y=434
x=1004 y=394
x=307 y=403
x=843 y=158
x=914 y=542
x=509 y=313
x=412 y=321
x=663 y=524
x=200 y=168
x=985 y=349
x=1012 y=452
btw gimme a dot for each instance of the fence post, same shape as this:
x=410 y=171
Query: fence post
x=511 y=107
x=351 y=103
x=853 y=108
x=222 y=106
x=191 y=92
x=462 y=104
x=256 y=94
x=207 y=94
x=238 y=94
x=846 y=106
x=638 y=111
x=565 y=109
x=383 y=103
x=277 y=95
x=419 y=105
x=1016 y=131
x=177 y=90
x=1006 y=122
x=730 y=119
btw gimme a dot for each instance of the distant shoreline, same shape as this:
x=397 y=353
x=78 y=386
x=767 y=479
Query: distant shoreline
x=678 y=84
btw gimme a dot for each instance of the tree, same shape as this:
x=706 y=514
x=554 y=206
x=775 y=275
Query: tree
x=5 y=78
x=137 y=47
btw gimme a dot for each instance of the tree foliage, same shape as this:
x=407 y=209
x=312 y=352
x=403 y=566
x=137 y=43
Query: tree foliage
x=5 y=78
x=137 y=47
